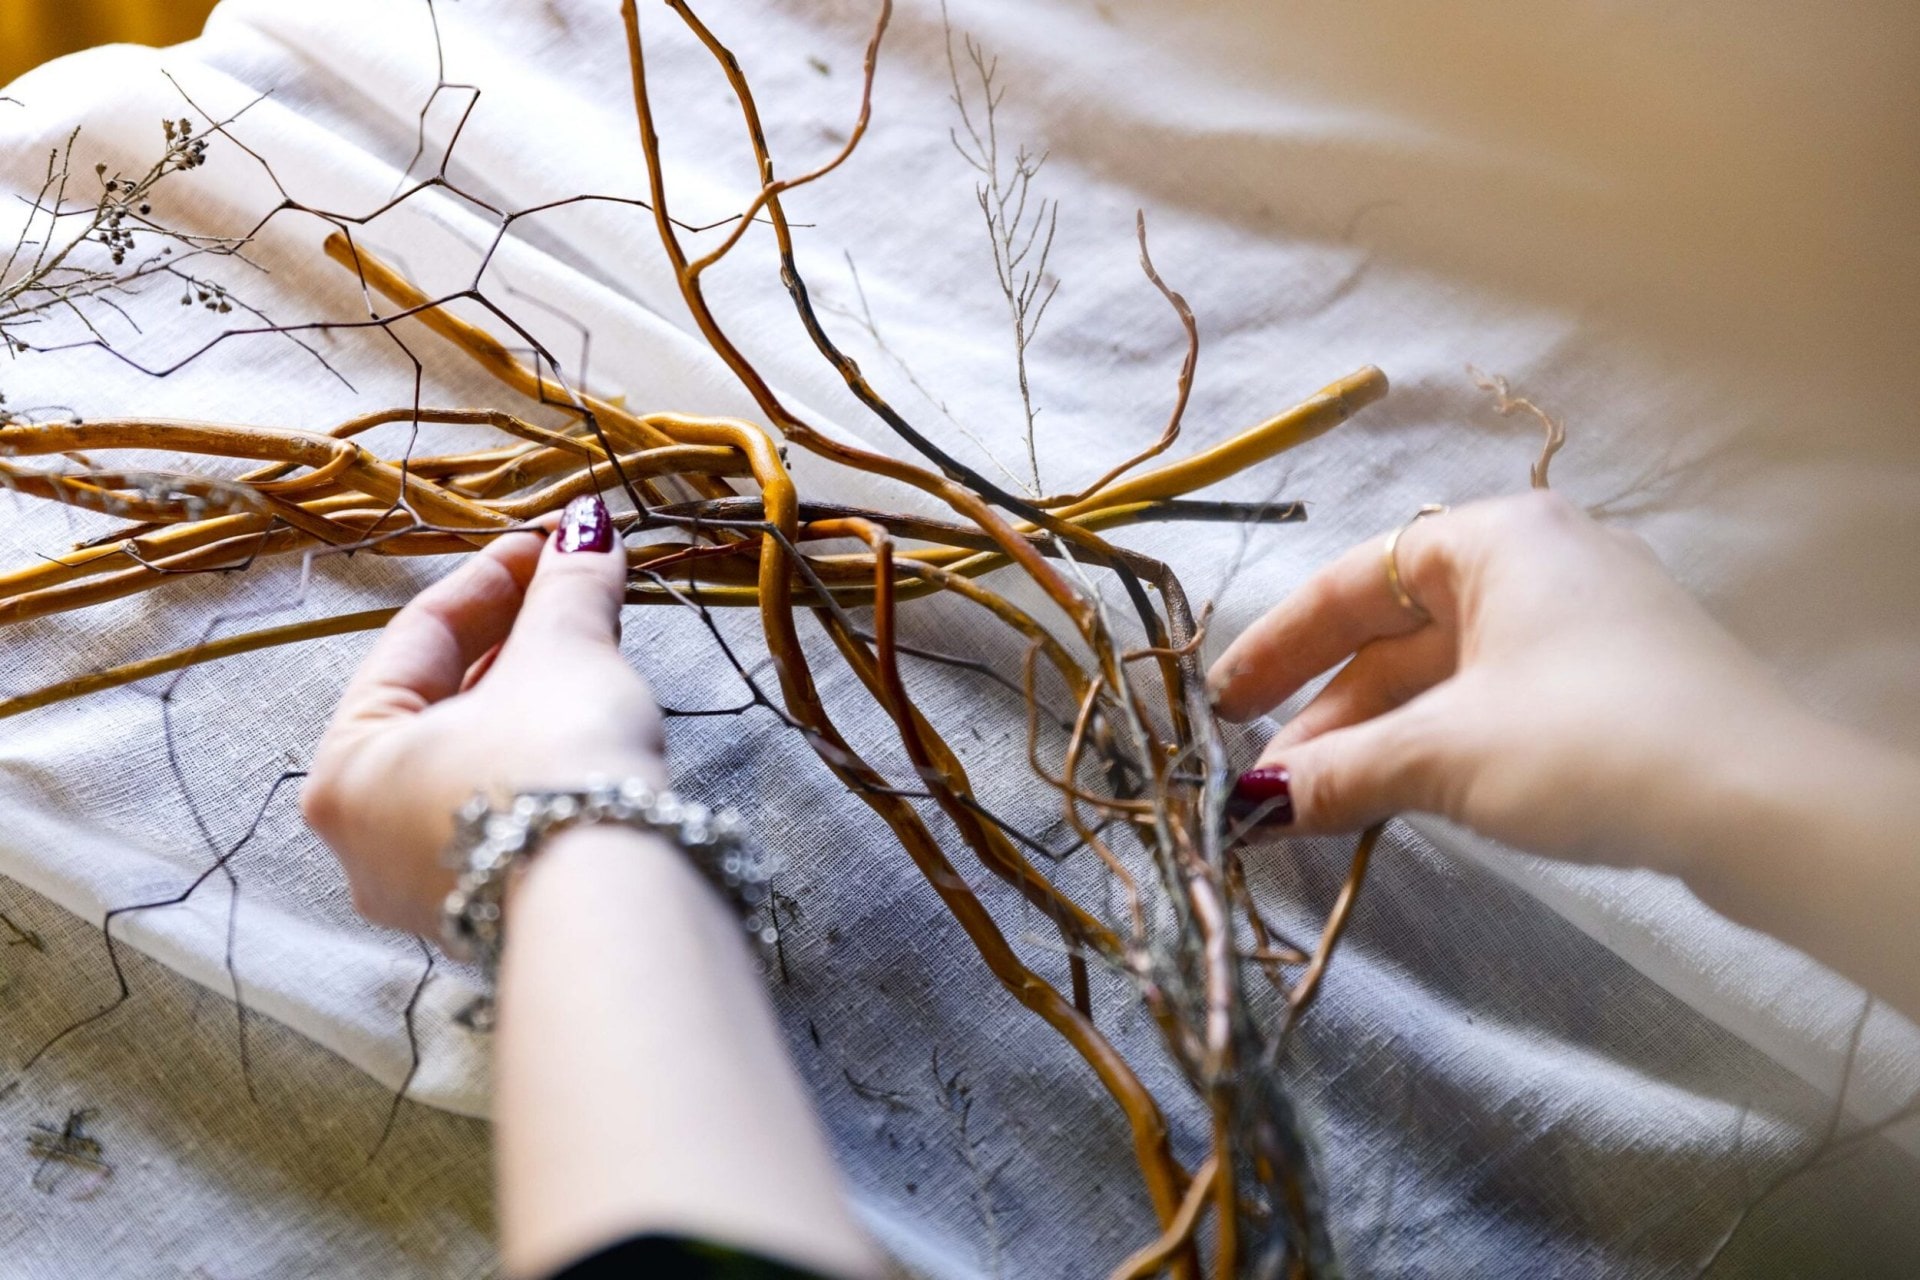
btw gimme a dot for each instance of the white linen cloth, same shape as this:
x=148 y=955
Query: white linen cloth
x=1689 y=233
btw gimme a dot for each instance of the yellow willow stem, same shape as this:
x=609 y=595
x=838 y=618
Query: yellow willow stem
x=966 y=561
x=1320 y=413
x=650 y=430
x=1125 y=502
x=213 y=650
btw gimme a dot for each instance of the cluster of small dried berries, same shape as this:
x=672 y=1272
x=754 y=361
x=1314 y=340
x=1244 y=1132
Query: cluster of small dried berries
x=183 y=148
x=211 y=296
x=118 y=239
x=115 y=206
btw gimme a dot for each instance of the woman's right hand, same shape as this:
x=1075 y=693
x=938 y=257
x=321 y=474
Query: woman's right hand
x=1566 y=697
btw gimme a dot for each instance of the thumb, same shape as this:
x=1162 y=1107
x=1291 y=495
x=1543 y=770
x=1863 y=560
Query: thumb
x=1353 y=777
x=578 y=587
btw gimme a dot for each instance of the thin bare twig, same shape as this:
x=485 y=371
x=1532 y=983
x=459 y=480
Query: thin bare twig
x=1505 y=403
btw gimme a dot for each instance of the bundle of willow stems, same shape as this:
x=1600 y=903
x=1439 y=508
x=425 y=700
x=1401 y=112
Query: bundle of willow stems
x=712 y=517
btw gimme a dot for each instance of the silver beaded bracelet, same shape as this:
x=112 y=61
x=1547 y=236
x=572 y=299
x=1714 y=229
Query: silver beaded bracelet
x=488 y=842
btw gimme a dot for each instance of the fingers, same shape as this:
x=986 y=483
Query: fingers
x=578 y=589
x=1341 y=608
x=1384 y=675
x=424 y=654
x=1354 y=776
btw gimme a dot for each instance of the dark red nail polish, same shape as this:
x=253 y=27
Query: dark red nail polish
x=1267 y=792
x=586 y=525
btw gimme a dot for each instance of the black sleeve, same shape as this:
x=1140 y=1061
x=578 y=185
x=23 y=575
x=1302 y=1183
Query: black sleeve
x=674 y=1258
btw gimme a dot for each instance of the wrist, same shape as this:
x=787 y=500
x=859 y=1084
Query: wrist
x=1749 y=795
x=583 y=769
x=1814 y=846
x=434 y=876
x=497 y=845
x=601 y=858
x=1726 y=774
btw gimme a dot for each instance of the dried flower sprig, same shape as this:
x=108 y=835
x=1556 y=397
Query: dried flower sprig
x=1020 y=226
x=44 y=270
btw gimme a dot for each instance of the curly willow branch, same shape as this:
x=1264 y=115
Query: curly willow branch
x=1138 y=767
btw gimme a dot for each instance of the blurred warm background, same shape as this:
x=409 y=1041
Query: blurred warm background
x=33 y=31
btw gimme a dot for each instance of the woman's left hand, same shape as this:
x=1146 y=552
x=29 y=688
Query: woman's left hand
x=505 y=675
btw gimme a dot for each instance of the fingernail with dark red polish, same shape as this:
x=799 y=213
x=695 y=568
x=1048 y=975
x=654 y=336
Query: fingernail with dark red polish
x=586 y=525
x=1267 y=792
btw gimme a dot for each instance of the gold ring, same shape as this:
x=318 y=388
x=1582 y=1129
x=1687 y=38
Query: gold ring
x=1394 y=582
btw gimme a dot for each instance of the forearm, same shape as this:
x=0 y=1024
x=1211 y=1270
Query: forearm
x=1815 y=839
x=641 y=1083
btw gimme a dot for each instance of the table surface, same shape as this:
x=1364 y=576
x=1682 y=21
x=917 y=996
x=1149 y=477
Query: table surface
x=1688 y=232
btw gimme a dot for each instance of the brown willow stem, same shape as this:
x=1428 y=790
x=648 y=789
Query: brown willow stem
x=1307 y=989
x=937 y=765
x=1070 y=796
x=1183 y=385
x=959 y=487
x=1151 y=1259
x=1162 y=1173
